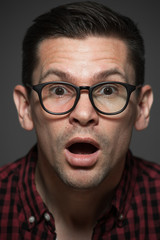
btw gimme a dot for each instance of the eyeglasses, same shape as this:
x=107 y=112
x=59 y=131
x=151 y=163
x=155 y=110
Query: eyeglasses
x=109 y=98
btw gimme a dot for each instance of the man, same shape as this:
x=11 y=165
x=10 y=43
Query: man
x=83 y=92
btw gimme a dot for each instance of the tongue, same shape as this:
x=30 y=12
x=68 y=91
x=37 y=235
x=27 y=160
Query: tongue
x=82 y=148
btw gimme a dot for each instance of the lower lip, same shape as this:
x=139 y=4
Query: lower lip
x=81 y=160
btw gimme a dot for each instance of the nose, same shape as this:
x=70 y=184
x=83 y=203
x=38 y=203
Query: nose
x=84 y=113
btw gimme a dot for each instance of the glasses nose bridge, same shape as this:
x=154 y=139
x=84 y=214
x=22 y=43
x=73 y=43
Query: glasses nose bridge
x=88 y=88
x=84 y=88
x=89 y=93
x=81 y=88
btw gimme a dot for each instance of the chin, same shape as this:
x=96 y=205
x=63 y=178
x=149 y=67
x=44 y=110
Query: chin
x=83 y=181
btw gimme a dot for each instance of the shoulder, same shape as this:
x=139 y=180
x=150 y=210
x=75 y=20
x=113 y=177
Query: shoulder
x=148 y=181
x=18 y=167
x=9 y=191
x=9 y=179
x=11 y=169
x=147 y=169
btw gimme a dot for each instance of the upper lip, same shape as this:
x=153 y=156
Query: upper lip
x=83 y=140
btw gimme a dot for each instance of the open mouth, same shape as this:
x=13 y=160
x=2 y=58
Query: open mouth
x=82 y=153
x=82 y=148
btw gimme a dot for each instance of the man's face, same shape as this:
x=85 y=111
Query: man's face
x=83 y=148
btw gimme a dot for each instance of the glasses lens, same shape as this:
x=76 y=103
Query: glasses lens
x=58 y=98
x=110 y=97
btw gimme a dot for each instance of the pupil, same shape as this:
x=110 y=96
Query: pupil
x=59 y=91
x=107 y=91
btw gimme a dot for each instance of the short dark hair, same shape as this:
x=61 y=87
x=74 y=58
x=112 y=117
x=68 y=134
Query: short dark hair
x=77 y=21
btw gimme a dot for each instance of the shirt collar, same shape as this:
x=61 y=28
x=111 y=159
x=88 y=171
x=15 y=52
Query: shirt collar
x=124 y=191
x=121 y=202
x=33 y=207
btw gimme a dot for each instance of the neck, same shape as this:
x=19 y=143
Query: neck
x=75 y=205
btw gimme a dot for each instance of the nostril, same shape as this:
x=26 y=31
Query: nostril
x=84 y=114
x=90 y=122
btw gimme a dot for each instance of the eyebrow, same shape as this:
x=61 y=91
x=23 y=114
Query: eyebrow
x=63 y=75
x=101 y=76
x=111 y=72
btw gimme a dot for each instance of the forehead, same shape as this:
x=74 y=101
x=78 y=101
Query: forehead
x=83 y=57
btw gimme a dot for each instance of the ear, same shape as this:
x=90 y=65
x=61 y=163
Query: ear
x=23 y=107
x=145 y=101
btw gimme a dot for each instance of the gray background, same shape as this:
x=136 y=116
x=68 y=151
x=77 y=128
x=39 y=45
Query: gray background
x=16 y=16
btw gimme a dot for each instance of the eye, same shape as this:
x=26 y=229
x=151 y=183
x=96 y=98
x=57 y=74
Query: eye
x=108 y=90
x=57 y=90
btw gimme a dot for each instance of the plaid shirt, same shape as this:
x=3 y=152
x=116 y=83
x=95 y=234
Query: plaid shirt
x=135 y=211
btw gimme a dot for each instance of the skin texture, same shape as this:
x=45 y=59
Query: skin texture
x=80 y=178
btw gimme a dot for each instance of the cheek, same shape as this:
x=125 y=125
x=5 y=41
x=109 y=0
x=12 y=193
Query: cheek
x=47 y=131
x=119 y=130
x=41 y=119
x=43 y=123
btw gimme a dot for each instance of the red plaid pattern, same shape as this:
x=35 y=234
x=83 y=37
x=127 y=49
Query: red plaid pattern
x=135 y=211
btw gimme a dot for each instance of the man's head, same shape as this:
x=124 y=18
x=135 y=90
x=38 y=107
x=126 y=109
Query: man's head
x=83 y=44
x=78 y=21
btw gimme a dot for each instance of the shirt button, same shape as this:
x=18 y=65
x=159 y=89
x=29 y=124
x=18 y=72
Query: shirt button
x=32 y=219
x=121 y=217
x=47 y=217
x=121 y=221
